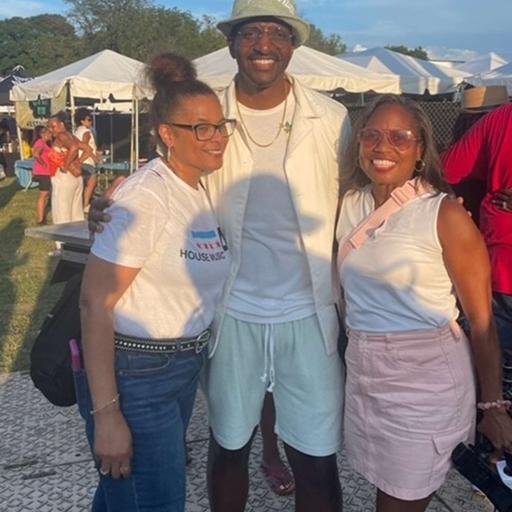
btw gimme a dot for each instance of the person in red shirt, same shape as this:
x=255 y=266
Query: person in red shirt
x=485 y=153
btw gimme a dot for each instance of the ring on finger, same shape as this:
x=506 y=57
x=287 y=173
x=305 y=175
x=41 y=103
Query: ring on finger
x=504 y=205
x=124 y=469
x=104 y=472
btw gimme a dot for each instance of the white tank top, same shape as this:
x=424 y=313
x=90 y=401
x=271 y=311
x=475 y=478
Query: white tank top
x=79 y=134
x=397 y=280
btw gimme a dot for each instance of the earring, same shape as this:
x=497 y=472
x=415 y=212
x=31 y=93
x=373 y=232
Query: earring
x=420 y=165
x=168 y=153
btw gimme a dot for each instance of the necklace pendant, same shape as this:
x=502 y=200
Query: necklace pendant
x=286 y=127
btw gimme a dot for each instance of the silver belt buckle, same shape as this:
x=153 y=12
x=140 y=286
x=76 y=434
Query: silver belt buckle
x=201 y=341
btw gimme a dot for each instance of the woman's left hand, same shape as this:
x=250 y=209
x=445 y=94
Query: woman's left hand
x=496 y=425
x=502 y=199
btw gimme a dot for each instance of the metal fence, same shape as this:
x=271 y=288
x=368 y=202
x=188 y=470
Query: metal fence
x=442 y=115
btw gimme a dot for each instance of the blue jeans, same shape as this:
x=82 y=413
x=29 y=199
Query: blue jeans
x=157 y=393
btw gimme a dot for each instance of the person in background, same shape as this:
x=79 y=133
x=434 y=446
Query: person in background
x=41 y=171
x=84 y=133
x=484 y=153
x=5 y=138
x=5 y=132
x=65 y=166
x=149 y=292
x=475 y=103
x=410 y=391
x=66 y=174
x=272 y=465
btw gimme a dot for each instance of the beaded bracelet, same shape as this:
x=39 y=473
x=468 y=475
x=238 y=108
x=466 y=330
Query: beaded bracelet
x=108 y=404
x=498 y=404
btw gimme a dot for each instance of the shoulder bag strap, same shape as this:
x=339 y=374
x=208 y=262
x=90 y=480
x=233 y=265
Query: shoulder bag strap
x=399 y=198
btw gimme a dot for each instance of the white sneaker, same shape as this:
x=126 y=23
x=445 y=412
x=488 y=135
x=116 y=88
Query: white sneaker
x=2 y=173
x=55 y=254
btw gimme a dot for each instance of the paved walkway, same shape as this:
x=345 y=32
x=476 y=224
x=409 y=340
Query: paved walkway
x=45 y=464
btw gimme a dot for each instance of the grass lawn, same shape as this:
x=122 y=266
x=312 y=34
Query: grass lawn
x=26 y=295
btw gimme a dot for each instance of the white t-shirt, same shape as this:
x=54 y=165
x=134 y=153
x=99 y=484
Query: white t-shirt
x=273 y=283
x=167 y=229
x=397 y=280
x=79 y=134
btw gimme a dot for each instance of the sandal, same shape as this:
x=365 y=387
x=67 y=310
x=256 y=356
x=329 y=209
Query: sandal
x=279 y=479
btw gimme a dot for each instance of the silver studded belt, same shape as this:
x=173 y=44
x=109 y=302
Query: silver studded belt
x=162 y=346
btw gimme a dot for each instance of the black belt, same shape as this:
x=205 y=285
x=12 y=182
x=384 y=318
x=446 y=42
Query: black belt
x=162 y=346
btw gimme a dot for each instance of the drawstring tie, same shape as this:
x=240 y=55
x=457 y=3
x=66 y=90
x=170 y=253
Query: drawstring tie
x=268 y=348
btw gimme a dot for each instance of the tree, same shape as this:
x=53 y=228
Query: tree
x=211 y=38
x=418 y=52
x=111 y=24
x=139 y=29
x=39 y=43
x=163 y=29
x=331 y=44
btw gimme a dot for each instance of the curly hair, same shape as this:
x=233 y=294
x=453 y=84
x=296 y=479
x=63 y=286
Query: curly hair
x=81 y=114
x=38 y=133
x=355 y=178
x=174 y=79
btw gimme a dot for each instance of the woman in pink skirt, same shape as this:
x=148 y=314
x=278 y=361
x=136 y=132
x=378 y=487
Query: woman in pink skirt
x=407 y=251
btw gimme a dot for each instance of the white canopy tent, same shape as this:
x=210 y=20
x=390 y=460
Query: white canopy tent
x=98 y=76
x=416 y=75
x=484 y=63
x=313 y=68
x=498 y=76
x=102 y=76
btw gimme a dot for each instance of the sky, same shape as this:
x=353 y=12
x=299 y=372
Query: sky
x=456 y=29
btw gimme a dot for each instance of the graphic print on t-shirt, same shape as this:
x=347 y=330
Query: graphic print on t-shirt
x=207 y=246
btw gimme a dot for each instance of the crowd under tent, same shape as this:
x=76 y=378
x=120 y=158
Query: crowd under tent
x=417 y=76
x=314 y=69
x=106 y=76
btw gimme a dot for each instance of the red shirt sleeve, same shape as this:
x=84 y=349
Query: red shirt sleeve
x=467 y=157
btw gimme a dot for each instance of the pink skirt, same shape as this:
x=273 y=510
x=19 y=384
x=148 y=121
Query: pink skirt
x=410 y=399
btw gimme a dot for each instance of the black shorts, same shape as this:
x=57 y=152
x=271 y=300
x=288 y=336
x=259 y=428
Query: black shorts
x=45 y=183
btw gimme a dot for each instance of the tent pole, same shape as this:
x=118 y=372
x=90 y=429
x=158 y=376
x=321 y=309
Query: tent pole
x=136 y=133
x=18 y=133
x=132 y=132
x=111 y=135
x=72 y=103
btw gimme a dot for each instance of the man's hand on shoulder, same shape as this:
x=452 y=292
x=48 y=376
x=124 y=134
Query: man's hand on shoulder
x=97 y=216
x=460 y=200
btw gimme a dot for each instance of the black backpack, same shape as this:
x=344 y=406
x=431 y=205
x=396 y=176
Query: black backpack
x=50 y=358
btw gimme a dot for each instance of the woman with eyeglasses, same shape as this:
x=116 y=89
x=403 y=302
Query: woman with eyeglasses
x=148 y=296
x=406 y=252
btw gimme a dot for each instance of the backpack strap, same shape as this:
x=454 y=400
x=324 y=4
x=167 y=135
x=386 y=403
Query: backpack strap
x=399 y=197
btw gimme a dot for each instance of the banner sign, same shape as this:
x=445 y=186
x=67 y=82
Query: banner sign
x=30 y=114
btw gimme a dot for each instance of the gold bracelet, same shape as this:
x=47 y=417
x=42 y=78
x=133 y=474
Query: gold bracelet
x=108 y=404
